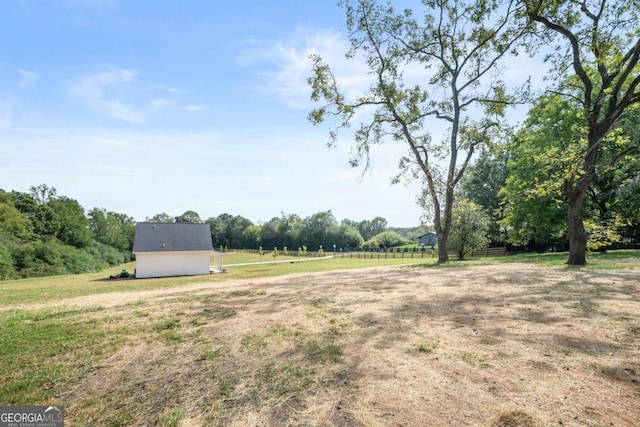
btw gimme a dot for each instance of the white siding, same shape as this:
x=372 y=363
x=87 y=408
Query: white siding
x=162 y=264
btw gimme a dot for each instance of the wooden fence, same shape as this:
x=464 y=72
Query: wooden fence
x=484 y=252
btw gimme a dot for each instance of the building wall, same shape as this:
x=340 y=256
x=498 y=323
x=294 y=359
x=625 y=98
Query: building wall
x=163 y=264
x=428 y=239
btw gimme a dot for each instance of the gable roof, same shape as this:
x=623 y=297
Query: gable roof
x=174 y=237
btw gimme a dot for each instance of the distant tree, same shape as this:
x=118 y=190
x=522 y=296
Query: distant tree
x=161 y=217
x=231 y=230
x=189 y=217
x=371 y=244
x=349 y=222
x=315 y=228
x=390 y=239
x=369 y=228
x=347 y=236
x=40 y=215
x=111 y=228
x=43 y=193
x=595 y=49
x=270 y=233
x=217 y=231
x=24 y=202
x=7 y=269
x=469 y=228
x=291 y=225
x=70 y=223
x=12 y=223
x=483 y=182
x=224 y=223
x=240 y=224
x=251 y=236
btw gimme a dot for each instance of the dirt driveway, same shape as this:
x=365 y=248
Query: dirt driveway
x=508 y=345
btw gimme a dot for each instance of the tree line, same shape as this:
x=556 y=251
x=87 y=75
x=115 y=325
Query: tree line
x=318 y=231
x=43 y=233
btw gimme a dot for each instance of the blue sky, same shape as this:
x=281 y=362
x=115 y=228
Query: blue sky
x=143 y=107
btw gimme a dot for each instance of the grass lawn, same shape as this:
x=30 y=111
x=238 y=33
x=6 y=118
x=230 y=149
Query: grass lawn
x=55 y=288
x=203 y=355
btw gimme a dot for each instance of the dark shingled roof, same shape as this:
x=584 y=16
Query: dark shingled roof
x=175 y=237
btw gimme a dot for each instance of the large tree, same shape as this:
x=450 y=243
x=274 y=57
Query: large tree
x=547 y=158
x=190 y=217
x=594 y=50
x=542 y=164
x=442 y=66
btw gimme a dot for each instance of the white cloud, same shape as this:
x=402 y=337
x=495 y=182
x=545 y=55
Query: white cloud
x=157 y=104
x=95 y=90
x=195 y=108
x=28 y=78
x=120 y=93
x=286 y=64
x=173 y=90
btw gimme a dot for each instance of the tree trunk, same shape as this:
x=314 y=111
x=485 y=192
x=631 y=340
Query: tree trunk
x=443 y=251
x=443 y=227
x=576 y=231
x=575 y=198
x=443 y=236
x=575 y=225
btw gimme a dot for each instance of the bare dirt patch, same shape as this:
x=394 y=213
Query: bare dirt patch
x=500 y=345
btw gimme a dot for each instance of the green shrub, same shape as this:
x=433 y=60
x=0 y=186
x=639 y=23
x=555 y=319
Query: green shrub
x=51 y=257
x=78 y=261
x=7 y=271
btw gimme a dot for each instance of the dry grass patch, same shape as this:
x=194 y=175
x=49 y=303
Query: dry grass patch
x=506 y=345
x=515 y=419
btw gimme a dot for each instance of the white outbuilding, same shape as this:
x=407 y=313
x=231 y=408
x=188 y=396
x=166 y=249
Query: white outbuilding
x=174 y=249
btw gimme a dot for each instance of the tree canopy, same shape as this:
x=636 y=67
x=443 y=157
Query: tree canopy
x=42 y=233
x=594 y=53
x=456 y=48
